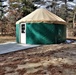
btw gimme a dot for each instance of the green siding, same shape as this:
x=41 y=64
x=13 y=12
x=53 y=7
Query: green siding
x=18 y=33
x=60 y=33
x=44 y=33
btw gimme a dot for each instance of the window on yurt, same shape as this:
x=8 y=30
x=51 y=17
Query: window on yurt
x=23 y=28
x=70 y=0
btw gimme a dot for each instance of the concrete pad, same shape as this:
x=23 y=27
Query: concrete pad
x=13 y=46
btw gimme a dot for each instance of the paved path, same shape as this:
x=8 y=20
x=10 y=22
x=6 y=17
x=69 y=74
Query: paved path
x=13 y=46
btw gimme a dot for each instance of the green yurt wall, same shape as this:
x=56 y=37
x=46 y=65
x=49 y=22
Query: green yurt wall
x=45 y=33
x=18 y=33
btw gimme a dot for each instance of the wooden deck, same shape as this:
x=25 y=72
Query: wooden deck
x=71 y=38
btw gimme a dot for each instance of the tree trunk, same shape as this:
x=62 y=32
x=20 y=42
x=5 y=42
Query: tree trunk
x=74 y=20
x=66 y=11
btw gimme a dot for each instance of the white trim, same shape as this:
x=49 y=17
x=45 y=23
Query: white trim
x=23 y=35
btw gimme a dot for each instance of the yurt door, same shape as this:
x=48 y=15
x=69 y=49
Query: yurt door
x=23 y=33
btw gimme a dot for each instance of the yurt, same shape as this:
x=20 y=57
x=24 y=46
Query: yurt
x=41 y=27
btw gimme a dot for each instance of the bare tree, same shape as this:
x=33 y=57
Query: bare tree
x=53 y=6
x=74 y=17
x=66 y=11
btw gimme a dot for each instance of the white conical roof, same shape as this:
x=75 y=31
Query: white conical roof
x=41 y=15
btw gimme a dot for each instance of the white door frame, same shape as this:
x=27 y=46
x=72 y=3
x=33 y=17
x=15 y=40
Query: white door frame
x=23 y=34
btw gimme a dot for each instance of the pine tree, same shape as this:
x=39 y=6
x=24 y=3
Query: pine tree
x=27 y=7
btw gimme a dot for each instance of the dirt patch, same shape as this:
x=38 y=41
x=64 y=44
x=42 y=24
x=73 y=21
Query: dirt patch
x=44 y=60
x=4 y=39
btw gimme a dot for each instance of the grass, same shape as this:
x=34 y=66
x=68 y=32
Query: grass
x=4 y=39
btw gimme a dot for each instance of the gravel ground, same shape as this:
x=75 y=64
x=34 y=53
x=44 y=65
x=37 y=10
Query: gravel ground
x=44 y=60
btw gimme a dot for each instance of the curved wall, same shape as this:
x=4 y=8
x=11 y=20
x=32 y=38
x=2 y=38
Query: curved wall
x=44 y=33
